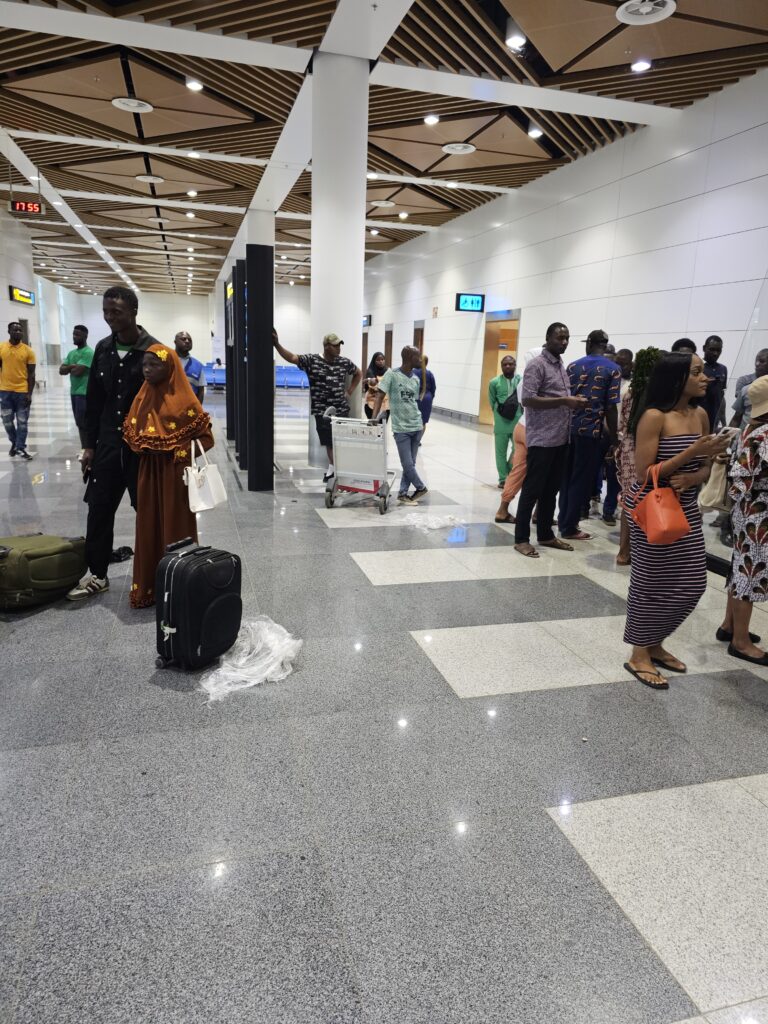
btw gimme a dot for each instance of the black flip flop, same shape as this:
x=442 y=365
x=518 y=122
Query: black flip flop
x=637 y=674
x=669 y=668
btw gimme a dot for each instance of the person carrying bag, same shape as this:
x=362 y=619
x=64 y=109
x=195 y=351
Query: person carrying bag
x=659 y=514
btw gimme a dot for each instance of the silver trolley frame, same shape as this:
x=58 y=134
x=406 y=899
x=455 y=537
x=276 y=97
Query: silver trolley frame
x=360 y=461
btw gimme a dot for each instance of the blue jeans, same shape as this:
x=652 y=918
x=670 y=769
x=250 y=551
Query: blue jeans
x=14 y=405
x=408 y=449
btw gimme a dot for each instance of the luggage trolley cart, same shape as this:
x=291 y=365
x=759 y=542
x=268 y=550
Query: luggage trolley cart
x=360 y=460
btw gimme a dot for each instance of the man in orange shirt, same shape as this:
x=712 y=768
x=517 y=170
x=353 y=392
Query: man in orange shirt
x=17 y=382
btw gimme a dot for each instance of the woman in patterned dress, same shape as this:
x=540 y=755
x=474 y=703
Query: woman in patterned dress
x=162 y=423
x=667 y=580
x=748 y=579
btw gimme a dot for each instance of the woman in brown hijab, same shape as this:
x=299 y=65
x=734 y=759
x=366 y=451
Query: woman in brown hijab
x=162 y=423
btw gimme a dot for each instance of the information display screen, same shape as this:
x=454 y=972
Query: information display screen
x=26 y=207
x=468 y=302
x=21 y=295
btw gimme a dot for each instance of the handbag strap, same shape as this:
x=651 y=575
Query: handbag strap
x=203 y=455
x=653 y=473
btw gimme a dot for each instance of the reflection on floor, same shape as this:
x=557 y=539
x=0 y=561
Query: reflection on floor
x=458 y=808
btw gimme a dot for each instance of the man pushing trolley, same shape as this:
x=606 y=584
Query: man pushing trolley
x=407 y=425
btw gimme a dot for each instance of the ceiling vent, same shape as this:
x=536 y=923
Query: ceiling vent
x=645 y=12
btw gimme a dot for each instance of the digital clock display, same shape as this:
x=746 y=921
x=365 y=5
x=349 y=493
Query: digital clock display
x=28 y=207
x=467 y=302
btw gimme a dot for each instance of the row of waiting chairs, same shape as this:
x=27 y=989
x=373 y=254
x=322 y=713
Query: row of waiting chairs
x=290 y=377
x=285 y=377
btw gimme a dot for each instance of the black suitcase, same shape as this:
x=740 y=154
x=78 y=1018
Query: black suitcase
x=199 y=607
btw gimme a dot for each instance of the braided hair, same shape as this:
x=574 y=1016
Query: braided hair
x=645 y=360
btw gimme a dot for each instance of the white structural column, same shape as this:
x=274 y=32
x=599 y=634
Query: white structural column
x=339 y=149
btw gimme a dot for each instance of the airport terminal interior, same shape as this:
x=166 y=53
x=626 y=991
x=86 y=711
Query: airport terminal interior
x=473 y=786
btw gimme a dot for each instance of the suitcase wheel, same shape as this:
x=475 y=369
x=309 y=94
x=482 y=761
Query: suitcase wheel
x=161 y=662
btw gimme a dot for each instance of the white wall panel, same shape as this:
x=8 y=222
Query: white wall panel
x=663 y=234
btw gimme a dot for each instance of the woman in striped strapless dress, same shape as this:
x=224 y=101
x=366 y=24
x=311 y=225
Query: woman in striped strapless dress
x=668 y=580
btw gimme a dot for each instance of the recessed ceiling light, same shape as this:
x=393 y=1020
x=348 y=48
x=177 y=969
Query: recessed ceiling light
x=431 y=119
x=283 y=257
x=514 y=37
x=190 y=257
x=383 y=203
x=302 y=277
x=190 y=214
x=291 y=283
x=193 y=155
x=403 y=215
x=459 y=148
x=156 y=220
x=371 y=176
x=131 y=105
x=190 y=248
x=641 y=65
x=192 y=193
x=42 y=264
x=451 y=184
x=77 y=225
x=58 y=204
x=194 y=85
x=374 y=231
x=535 y=132
x=34 y=177
x=150 y=179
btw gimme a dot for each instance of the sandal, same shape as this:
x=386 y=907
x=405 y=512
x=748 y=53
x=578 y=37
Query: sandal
x=678 y=665
x=507 y=519
x=556 y=543
x=579 y=535
x=638 y=673
x=527 y=549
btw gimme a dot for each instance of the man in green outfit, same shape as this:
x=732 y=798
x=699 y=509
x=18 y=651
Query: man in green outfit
x=77 y=366
x=499 y=390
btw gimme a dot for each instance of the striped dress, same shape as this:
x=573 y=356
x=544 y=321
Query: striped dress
x=667 y=580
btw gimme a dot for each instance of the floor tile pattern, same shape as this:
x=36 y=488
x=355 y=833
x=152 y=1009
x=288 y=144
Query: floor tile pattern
x=457 y=808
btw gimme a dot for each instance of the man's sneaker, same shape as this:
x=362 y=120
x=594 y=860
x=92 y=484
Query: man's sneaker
x=89 y=587
x=609 y=520
x=419 y=494
x=328 y=476
x=404 y=499
x=13 y=453
x=27 y=456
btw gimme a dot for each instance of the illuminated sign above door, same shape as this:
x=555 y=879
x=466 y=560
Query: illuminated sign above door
x=21 y=295
x=469 y=302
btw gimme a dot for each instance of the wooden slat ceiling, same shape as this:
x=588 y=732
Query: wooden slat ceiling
x=65 y=86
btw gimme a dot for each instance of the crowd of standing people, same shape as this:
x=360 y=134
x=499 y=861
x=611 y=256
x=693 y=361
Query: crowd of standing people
x=649 y=427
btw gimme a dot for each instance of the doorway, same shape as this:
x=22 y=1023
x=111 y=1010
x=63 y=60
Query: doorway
x=388 y=333
x=501 y=334
x=418 y=336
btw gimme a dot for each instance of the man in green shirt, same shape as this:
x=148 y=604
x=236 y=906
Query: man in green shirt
x=499 y=390
x=77 y=366
x=407 y=424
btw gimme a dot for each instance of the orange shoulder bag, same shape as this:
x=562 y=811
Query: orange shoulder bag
x=660 y=515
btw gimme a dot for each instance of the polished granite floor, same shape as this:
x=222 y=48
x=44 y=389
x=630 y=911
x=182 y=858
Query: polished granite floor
x=458 y=807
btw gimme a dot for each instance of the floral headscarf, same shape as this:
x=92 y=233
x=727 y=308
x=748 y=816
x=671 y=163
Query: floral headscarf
x=165 y=416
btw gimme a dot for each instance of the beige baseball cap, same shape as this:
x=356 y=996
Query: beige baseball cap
x=333 y=339
x=758 y=396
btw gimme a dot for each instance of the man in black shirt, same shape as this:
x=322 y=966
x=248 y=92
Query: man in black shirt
x=327 y=375
x=109 y=465
x=718 y=380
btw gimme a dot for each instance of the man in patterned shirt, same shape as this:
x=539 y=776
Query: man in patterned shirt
x=327 y=375
x=598 y=379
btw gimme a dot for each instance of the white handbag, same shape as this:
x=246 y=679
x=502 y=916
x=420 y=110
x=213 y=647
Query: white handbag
x=204 y=484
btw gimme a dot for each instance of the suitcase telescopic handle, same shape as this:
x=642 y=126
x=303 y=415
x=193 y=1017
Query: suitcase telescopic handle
x=179 y=544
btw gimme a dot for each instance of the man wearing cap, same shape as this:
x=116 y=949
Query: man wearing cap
x=327 y=374
x=596 y=378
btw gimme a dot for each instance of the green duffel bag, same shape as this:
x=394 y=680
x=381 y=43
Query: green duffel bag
x=37 y=569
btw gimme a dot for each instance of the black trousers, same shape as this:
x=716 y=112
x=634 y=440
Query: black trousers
x=543 y=476
x=581 y=465
x=115 y=469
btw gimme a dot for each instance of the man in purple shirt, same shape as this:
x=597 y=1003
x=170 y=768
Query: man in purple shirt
x=598 y=379
x=548 y=403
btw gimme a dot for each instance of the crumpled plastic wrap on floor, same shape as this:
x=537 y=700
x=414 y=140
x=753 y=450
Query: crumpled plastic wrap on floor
x=425 y=521
x=264 y=652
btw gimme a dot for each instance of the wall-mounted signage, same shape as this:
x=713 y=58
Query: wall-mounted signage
x=26 y=207
x=367 y=320
x=230 y=290
x=467 y=302
x=21 y=295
